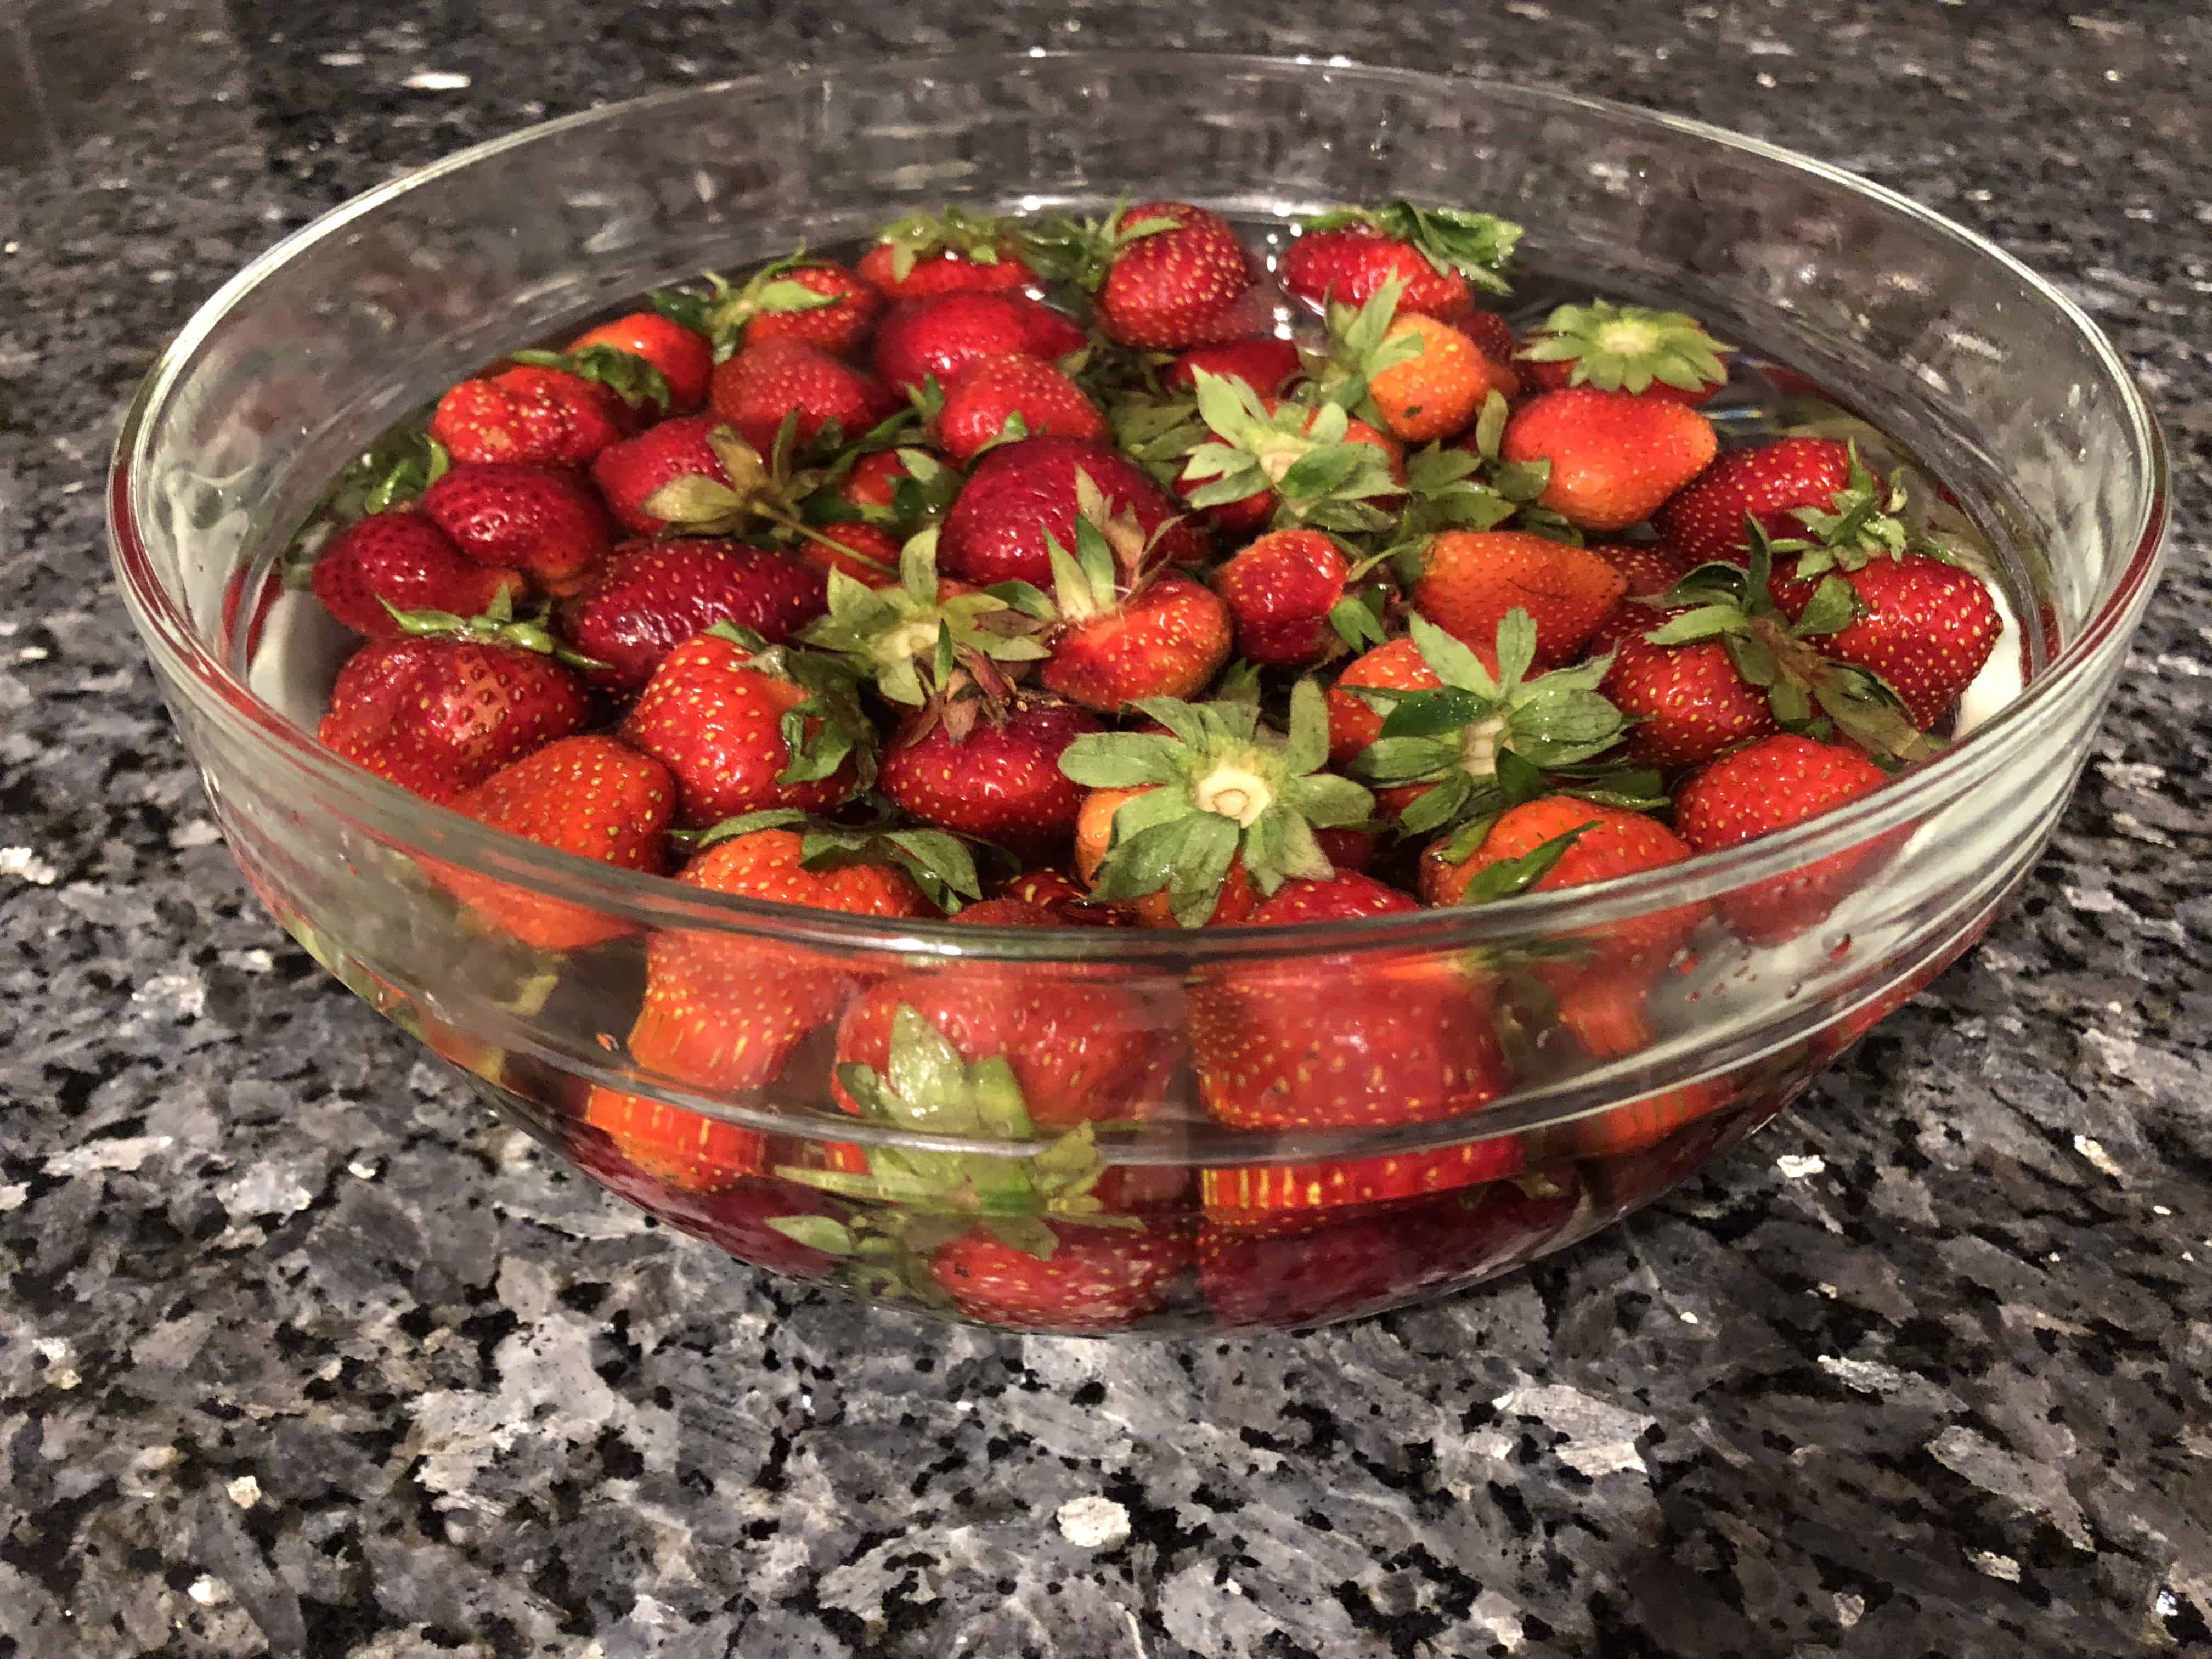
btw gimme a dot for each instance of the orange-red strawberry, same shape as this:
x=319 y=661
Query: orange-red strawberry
x=837 y=327
x=743 y=730
x=1251 y=1189
x=1615 y=457
x=1471 y=577
x=1927 y=627
x=1353 y=723
x=1267 y=366
x=937 y=339
x=1012 y=397
x=1094 y=839
x=1021 y=499
x=682 y=356
x=1280 y=592
x=1688 y=702
x=1162 y=273
x=948 y=252
x=1271 y=462
x=1705 y=521
x=756 y=389
x=530 y=414
x=998 y=779
x=591 y=796
x=540 y=520
x=1652 y=354
x=1438 y=256
x=1095 y=1279
x=1435 y=390
x=650 y=597
x=1769 y=785
x=401 y=561
x=1648 y=567
x=684 y=1149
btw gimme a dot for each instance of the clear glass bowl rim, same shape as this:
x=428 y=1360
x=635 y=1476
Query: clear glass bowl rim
x=408 y=822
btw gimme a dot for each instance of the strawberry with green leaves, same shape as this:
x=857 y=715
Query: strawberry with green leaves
x=1414 y=376
x=1162 y=273
x=951 y=252
x=401 y=561
x=1022 y=499
x=825 y=397
x=1439 y=255
x=651 y=597
x=540 y=520
x=1615 y=457
x=682 y=357
x=1219 y=790
x=1287 y=464
x=817 y=303
x=996 y=399
x=1267 y=366
x=909 y=636
x=938 y=339
x=1631 y=348
x=530 y=414
x=1772 y=483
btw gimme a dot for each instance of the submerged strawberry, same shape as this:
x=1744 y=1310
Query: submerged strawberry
x=401 y=561
x=939 y=338
x=542 y=521
x=530 y=414
x=1633 y=349
x=1093 y=1279
x=1021 y=500
x=1281 y=592
x=650 y=597
x=1439 y=255
x=1161 y=272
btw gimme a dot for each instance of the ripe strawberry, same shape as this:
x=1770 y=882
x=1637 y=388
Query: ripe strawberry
x=630 y=473
x=874 y=479
x=542 y=521
x=1304 y=1268
x=755 y=391
x=837 y=327
x=996 y=398
x=1633 y=349
x=1614 y=456
x=1435 y=390
x=530 y=414
x=1471 y=579
x=439 y=715
x=591 y=796
x=1269 y=462
x=402 y=560
x=1768 y=785
x=1021 y=498
x=1492 y=335
x=998 y=779
x=743 y=730
x=1161 y=272
x=951 y=252
x=1688 y=702
x=1095 y=1279
x=682 y=357
x=651 y=597
x=1095 y=837
x=1353 y=723
x=1705 y=521
x=937 y=339
x=1439 y=255
x=1250 y=1190
x=815 y=302
x=1280 y=592
x=1648 y=567
x=1064 y=901
x=870 y=555
x=1266 y=365
x=686 y=1150
x=1925 y=626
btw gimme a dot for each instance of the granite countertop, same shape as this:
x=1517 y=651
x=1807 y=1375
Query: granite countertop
x=301 y=1354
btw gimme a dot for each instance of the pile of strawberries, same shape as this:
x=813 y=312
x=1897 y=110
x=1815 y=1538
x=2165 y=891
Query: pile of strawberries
x=1025 y=572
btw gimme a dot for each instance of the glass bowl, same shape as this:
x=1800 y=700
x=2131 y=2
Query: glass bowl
x=1162 y=1219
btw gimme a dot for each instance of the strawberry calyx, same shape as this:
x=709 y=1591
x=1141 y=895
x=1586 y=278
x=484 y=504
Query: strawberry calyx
x=975 y=237
x=1063 y=248
x=1477 y=245
x=1113 y=561
x=1360 y=346
x=497 y=624
x=770 y=489
x=1619 y=347
x=1861 y=523
x=910 y=637
x=919 y=496
x=625 y=373
x=1159 y=433
x=1458 y=737
x=1811 y=694
x=1217 y=785
x=722 y=312
x=937 y=861
x=1320 y=479
x=830 y=725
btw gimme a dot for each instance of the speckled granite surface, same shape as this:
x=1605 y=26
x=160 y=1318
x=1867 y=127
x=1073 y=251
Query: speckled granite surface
x=301 y=1354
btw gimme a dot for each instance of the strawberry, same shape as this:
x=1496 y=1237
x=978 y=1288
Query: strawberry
x=1354 y=722
x=1633 y=349
x=682 y=357
x=744 y=728
x=1688 y=702
x=838 y=327
x=1266 y=365
x=816 y=302
x=1771 y=483
x=1614 y=456
x=1095 y=837
x=1061 y=899
x=684 y=1149
x=401 y=561
x=758 y=388
x=996 y=777
x=438 y=715
x=1649 y=569
x=1471 y=579
x=634 y=471
x=591 y=796
x=1765 y=787
x=651 y=597
x=1268 y=462
x=895 y=634
x=1492 y=335
x=1925 y=626
x=869 y=555
x=1280 y=592
x=1435 y=391
x=1251 y=1189
x=530 y=414
x=1219 y=788
x=1305 y=1268
x=996 y=398
x=1021 y=499
x=1093 y=1279
x=1439 y=256
x=1299 y=1041
x=1161 y=273
x=542 y=521
x=937 y=339
x=924 y=254
x=874 y=478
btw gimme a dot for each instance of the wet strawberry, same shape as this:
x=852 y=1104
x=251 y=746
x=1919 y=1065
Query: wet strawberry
x=756 y=389
x=1705 y=521
x=1615 y=457
x=996 y=398
x=1280 y=592
x=927 y=254
x=401 y=561
x=530 y=414
x=542 y=521
x=1471 y=579
x=1633 y=349
x=1438 y=255
x=937 y=339
x=682 y=357
x=650 y=597
x=1161 y=273
x=1021 y=498
x=997 y=779
x=1094 y=1279
x=1266 y=365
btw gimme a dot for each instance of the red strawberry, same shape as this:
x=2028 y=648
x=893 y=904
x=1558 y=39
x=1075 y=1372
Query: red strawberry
x=682 y=357
x=440 y=716
x=404 y=560
x=999 y=780
x=530 y=414
x=837 y=327
x=951 y=252
x=1492 y=335
x=591 y=796
x=1471 y=577
x=1925 y=626
x=542 y=521
x=937 y=339
x=1280 y=592
x=1648 y=567
x=652 y=596
x=1266 y=365
x=1688 y=702
x=754 y=390
x=1633 y=349
x=1161 y=272
x=630 y=473
x=1096 y=1278
x=873 y=480
x=1769 y=785
x=1335 y=1182
x=1016 y=396
x=686 y=1150
x=1615 y=457
x=743 y=731
x=1061 y=898
x=1023 y=494
x=1705 y=521
x=1248 y=475
x=868 y=554
x=1353 y=723
x=1439 y=255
